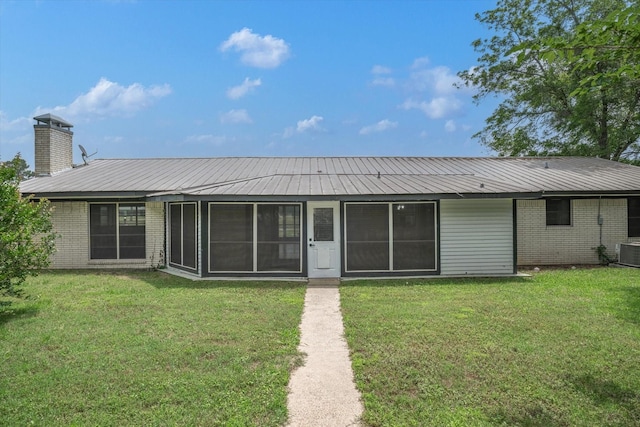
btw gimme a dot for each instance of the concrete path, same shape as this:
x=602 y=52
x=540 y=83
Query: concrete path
x=322 y=392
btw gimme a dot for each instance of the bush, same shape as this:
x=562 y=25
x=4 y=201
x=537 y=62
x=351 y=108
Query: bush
x=26 y=235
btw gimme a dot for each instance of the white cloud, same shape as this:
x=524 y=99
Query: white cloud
x=420 y=62
x=257 y=51
x=242 y=89
x=311 y=124
x=450 y=126
x=14 y=132
x=21 y=123
x=381 y=77
x=438 y=79
x=379 y=69
x=235 y=117
x=381 y=126
x=108 y=98
x=14 y=139
x=437 y=108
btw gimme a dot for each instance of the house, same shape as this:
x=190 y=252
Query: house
x=331 y=216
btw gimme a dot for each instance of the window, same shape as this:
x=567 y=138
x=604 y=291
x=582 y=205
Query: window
x=390 y=236
x=253 y=237
x=633 y=216
x=117 y=230
x=278 y=237
x=414 y=236
x=231 y=237
x=367 y=236
x=183 y=235
x=289 y=221
x=558 y=211
x=323 y=224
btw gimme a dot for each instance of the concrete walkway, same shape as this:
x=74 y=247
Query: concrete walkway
x=322 y=392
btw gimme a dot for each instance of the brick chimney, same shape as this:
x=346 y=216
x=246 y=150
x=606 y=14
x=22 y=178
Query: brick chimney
x=53 y=145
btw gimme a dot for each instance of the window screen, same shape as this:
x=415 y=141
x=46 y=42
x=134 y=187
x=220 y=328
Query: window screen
x=231 y=237
x=104 y=242
x=175 y=212
x=391 y=236
x=183 y=237
x=289 y=221
x=633 y=206
x=131 y=220
x=189 y=250
x=414 y=236
x=558 y=211
x=278 y=237
x=367 y=233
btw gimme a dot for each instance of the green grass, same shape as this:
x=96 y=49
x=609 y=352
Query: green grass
x=559 y=349
x=147 y=348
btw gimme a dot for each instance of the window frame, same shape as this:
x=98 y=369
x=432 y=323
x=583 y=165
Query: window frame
x=284 y=240
x=558 y=213
x=118 y=235
x=390 y=242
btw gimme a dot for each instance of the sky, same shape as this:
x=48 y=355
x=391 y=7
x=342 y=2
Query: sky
x=154 y=78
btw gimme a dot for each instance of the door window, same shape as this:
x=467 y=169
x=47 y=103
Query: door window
x=323 y=224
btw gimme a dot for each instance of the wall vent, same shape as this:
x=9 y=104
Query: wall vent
x=630 y=254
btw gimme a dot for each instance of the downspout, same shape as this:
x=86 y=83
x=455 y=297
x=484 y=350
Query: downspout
x=603 y=257
x=600 y=219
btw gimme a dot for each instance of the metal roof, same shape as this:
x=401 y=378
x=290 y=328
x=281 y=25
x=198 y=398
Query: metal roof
x=336 y=176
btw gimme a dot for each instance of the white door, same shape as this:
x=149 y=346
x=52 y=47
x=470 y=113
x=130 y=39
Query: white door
x=323 y=239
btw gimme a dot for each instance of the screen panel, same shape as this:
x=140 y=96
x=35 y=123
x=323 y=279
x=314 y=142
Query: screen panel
x=367 y=233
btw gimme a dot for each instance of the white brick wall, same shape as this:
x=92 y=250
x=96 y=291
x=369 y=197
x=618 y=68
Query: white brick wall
x=71 y=223
x=53 y=149
x=539 y=244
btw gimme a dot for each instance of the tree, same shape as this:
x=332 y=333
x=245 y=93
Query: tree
x=568 y=74
x=20 y=166
x=26 y=235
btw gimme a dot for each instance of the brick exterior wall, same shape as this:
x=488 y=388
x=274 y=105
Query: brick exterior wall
x=539 y=244
x=53 y=149
x=71 y=223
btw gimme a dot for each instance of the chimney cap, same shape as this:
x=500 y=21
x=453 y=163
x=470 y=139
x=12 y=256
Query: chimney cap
x=53 y=120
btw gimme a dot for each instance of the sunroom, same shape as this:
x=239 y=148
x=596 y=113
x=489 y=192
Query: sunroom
x=312 y=238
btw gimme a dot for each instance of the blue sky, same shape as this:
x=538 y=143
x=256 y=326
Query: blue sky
x=230 y=78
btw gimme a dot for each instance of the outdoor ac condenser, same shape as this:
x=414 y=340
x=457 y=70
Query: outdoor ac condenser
x=630 y=254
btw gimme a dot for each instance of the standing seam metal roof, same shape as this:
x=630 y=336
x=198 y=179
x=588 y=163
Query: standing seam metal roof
x=341 y=176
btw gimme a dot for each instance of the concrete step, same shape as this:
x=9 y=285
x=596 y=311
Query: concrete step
x=324 y=282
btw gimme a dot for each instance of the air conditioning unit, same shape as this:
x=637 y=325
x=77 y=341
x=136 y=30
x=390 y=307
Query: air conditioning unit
x=630 y=254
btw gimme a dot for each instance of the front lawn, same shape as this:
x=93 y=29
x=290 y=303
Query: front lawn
x=559 y=349
x=147 y=348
